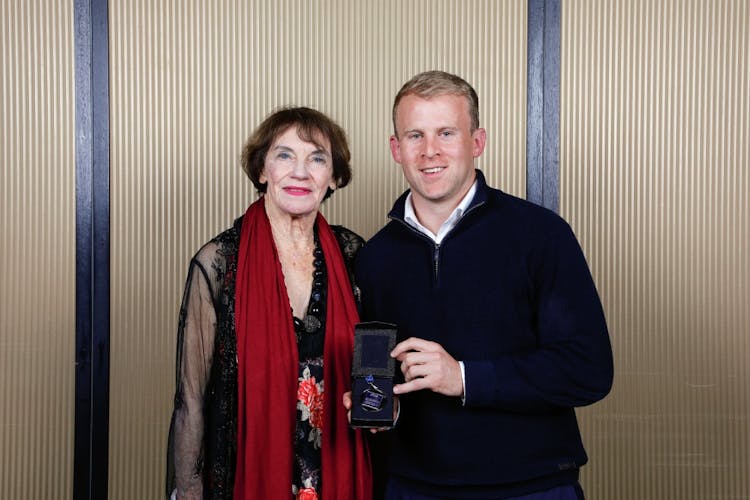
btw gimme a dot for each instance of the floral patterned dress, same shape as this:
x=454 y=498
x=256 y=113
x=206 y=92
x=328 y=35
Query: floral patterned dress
x=310 y=333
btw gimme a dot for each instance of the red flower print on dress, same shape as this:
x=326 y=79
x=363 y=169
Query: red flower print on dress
x=307 y=494
x=310 y=403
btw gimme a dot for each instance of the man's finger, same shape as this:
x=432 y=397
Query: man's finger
x=416 y=384
x=417 y=357
x=414 y=344
x=413 y=371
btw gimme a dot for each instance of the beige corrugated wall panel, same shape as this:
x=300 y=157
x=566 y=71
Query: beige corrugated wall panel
x=655 y=100
x=37 y=249
x=190 y=80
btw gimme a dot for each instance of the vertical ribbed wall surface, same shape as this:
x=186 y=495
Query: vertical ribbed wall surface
x=37 y=249
x=654 y=167
x=190 y=80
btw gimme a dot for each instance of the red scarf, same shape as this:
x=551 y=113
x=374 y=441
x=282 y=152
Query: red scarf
x=268 y=371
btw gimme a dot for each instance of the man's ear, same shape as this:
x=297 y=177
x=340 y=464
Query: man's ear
x=479 y=140
x=395 y=149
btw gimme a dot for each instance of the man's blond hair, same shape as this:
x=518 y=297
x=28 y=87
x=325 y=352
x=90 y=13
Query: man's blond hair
x=436 y=83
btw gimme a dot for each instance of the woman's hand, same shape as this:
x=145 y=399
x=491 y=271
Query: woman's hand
x=347 y=400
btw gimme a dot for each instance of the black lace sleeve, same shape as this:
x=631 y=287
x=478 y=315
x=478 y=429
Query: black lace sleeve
x=200 y=326
x=350 y=243
x=195 y=342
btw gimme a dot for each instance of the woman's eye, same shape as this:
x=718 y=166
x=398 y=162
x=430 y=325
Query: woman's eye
x=283 y=155
x=319 y=160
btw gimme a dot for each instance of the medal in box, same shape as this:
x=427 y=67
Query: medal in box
x=372 y=375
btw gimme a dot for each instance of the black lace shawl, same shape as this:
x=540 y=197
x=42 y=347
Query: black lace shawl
x=202 y=444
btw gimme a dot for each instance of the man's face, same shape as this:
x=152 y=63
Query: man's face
x=436 y=149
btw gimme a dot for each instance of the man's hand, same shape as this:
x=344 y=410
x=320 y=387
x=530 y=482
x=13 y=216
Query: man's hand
x=426 y=365
x=347 y=400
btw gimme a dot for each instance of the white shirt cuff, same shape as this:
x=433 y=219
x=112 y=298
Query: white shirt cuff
x=463 y=382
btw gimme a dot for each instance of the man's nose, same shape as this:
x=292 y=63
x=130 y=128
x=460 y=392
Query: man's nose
x=430 y=147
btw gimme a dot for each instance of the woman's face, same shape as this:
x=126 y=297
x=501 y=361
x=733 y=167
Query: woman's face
x=298 y=173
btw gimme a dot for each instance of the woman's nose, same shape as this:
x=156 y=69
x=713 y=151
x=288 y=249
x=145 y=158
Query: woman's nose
x=300 y=169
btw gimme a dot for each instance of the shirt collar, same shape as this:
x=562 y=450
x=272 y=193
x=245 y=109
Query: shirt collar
x=410 y=216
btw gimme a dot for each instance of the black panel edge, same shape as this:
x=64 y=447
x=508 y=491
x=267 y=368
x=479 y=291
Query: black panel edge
x=91 y=439
x=543 y=103
x=551 y=197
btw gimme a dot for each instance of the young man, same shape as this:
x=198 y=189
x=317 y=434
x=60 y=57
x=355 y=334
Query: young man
x=501 y=331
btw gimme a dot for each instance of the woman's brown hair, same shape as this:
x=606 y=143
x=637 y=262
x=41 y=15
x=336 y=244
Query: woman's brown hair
x=311 y=124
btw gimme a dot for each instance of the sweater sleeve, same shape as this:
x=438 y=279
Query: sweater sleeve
x=571 y=364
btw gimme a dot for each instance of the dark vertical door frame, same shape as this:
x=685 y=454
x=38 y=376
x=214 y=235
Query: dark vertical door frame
x=543 y=104
x=91 y=439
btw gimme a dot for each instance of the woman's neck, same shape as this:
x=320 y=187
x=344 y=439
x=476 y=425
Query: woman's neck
x=291 y=231
x=295 y=240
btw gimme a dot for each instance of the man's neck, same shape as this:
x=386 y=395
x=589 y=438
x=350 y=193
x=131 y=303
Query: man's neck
x=432 y=214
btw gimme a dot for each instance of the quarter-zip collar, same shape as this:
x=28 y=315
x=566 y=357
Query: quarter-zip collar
x=398 y=212
x=410 y=216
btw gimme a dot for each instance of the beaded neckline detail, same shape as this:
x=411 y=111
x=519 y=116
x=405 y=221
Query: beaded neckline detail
x=312 y=321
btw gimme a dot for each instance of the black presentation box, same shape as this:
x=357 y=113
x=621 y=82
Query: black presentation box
x=372 y=374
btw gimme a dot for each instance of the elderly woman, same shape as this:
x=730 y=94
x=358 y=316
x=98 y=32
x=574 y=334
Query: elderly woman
x=266 y=331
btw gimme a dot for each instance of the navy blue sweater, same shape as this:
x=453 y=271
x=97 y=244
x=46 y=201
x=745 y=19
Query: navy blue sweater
x=509 y=293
